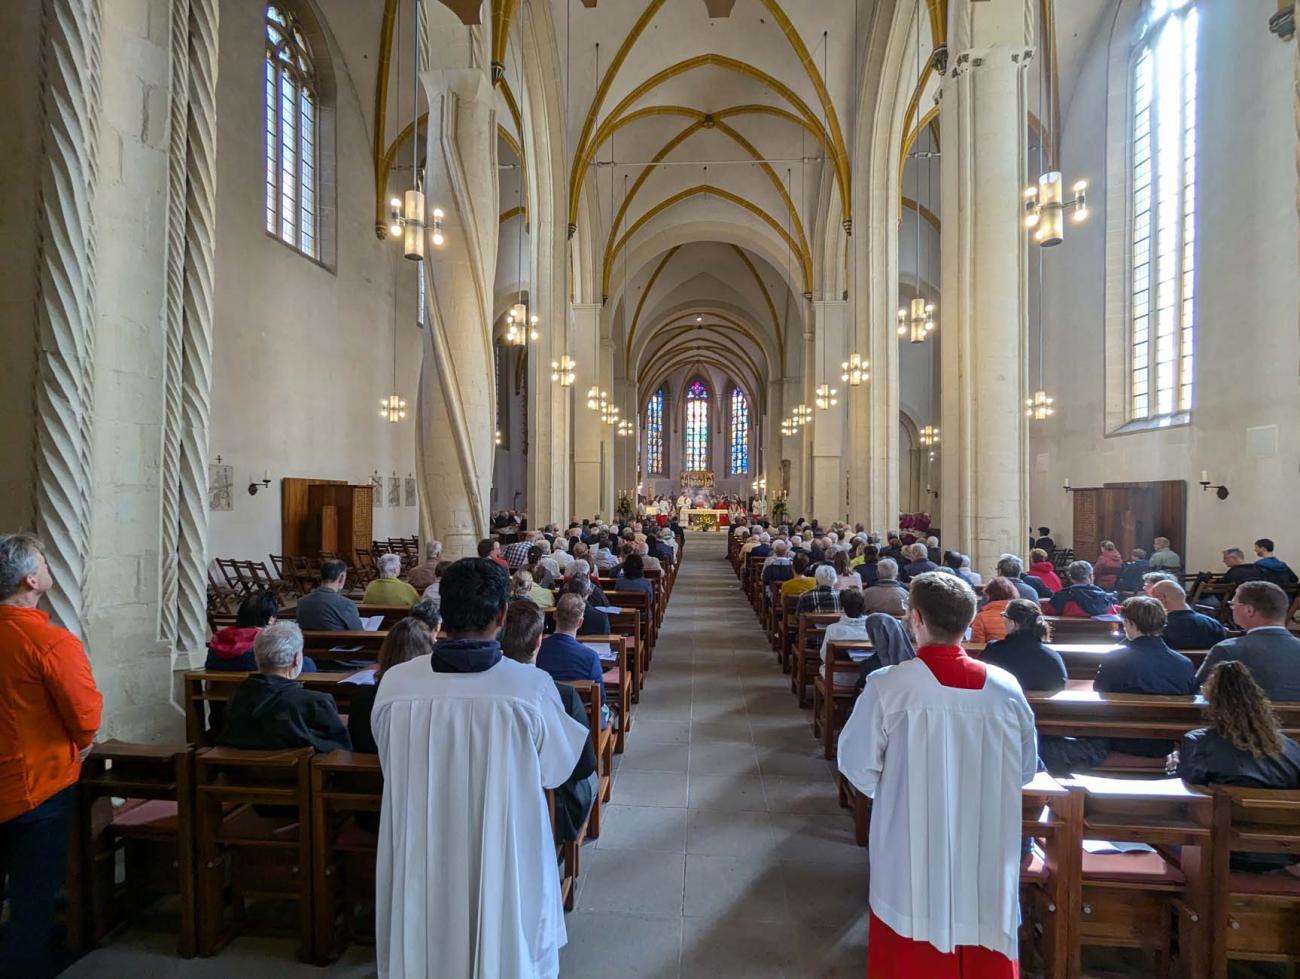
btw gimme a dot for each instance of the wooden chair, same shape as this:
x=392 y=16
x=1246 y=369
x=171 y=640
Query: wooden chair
x=152 y=828
x=1254 y=915
x=244 y=853
x=1131 y=900
x=347 y=789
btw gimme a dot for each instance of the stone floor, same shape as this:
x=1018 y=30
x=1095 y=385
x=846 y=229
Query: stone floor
x=724 y=853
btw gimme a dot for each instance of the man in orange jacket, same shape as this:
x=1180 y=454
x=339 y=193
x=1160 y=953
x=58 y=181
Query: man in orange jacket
x=49 y=714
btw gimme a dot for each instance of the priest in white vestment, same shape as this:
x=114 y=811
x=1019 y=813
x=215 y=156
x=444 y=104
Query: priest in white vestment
x=943 y=744
x=467 y=885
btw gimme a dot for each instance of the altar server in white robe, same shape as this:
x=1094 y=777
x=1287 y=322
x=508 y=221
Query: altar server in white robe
x=942 y=744
x=467 y=886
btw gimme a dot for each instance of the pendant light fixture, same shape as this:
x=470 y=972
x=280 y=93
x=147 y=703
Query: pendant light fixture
x=407 y=215
x=393 y=407
x=930 y=435
x=1045 y=203
x=854 y=371
x=563 y=370
x=1039 y=406
x=916 y=322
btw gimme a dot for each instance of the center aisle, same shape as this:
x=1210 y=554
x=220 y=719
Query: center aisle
x=724 y=851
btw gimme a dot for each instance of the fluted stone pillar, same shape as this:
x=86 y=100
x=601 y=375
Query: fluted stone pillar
x=829 y=470
x=456 y=407
x=584 y=346
x=984 y=502
x=65 y=306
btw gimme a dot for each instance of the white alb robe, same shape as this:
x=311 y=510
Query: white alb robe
x=467 y=885
x=944 y=767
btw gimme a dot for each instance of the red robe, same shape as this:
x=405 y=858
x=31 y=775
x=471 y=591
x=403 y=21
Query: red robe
x=894 y=956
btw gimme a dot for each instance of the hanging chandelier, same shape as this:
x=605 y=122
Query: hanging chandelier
x=625 y=427
x=597 y=400
x=392 y=408
x=522 y=327
x=930 y=435
x=855 y=370
x=564 y=370
x=1045 y=209
x=609 y=414
x=802 y=415
x=407 y=215
x=1039 y=406
x=788 y=427
x=496 y=438
x=825 y=397
x=917 y=321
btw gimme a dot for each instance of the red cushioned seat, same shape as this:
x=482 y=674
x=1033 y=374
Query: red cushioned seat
x=1130 y=868
x=248 y=824
x=145 y=817
x=612 y=676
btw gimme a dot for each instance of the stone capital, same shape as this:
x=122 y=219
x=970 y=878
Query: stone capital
x=468 y=84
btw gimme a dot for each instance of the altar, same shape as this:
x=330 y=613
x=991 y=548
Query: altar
x=706 y=519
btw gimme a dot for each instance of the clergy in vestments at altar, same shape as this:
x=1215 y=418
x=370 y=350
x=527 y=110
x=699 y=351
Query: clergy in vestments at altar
x=466 y=882
x=943 y=744
x=682 y=501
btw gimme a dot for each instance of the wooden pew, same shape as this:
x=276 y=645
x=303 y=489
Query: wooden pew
x=242 y=853
x=392 y=614
x=347 y=789
x=1052 y=816
x=330 y=646
x=833 y=701
x=1253 y=916
x=643 y=605
x=204 y=686
x=627 y=623
x=154 y=829
x=620 y=696
x=806 y=661
x=1130 y=900
x=602 y=742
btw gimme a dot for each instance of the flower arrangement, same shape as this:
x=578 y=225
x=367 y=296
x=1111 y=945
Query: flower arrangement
x=624 y=507
x=779 y=508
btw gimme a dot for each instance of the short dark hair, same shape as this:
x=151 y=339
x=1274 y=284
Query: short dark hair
x=473 y=593
x=1028 y=617
x=945 y=602
x=1147 y=615
x=801 y=563
x=534 y=554
x=852 y=602
x=257 y=610
x=1264 y=543
x=952 y=559
x=440 y=568
x=485 y=546
x=633 y=567
x=333 y=569
x=1266 y=598
x=524 y=623
x=1044 y=531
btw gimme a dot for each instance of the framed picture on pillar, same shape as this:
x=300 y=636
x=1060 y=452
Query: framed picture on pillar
x=378 y=483
x=394 y=491
x=410 y=491
x=221 y=485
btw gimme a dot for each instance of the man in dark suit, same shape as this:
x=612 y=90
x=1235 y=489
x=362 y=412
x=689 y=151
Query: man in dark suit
x=1267 y=648
x=1185 y=628
x=271 y=709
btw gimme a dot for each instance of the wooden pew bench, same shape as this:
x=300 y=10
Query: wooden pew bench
x=806 y=655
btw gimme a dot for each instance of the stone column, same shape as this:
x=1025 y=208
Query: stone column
x=609 y=433
x=456 y=408
x=65 y=304
x=829 y=469
x=984 y=501
x=585 y=348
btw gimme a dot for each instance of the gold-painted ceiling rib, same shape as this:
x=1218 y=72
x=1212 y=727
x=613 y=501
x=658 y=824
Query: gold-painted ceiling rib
x=805 y=260
x=926 y=213
x=938 y=10
x=381 y=111
x=767 y=298
x=508 y=137
x=667 y=331
x=507 y=215
x=598 y=99
x=645 y=294
x=714 y=356
x=586 y=154
x=740 y=141
x=512 y=106
x=715 y=343
x=840 y=153
x=503 y=11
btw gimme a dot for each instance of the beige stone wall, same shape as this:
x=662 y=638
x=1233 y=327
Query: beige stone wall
x=303 y=352
x=1248 y=303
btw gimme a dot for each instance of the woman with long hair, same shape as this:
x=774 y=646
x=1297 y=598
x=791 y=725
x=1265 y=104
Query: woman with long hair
x=845 y=576
x=406 y=640
x=1243 y=745
x=1024 y=652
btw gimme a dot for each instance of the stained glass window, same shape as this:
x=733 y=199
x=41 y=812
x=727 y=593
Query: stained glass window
x=738 y=457
x=291 y=124
x=654 y=429
x=697 y=427
x=1162 y=196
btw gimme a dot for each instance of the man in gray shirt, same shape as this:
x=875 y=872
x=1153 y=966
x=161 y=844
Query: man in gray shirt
x=1270 y=651
x=326 y=609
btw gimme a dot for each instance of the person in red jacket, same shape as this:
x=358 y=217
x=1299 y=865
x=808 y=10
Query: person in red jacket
x=1105 y=570
x=1041 y=568
x=49 y=715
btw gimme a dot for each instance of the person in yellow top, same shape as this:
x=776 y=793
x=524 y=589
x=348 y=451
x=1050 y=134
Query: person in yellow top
x=388 y=589
x=801 y=582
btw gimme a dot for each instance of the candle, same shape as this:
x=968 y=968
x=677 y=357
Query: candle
x=1205 y=476
x=1067 y=482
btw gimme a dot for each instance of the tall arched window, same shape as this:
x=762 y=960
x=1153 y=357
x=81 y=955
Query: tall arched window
x=1162 y=202
x=654 y=433
x=738 y=456
x=697 y=427
x=292 y=122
